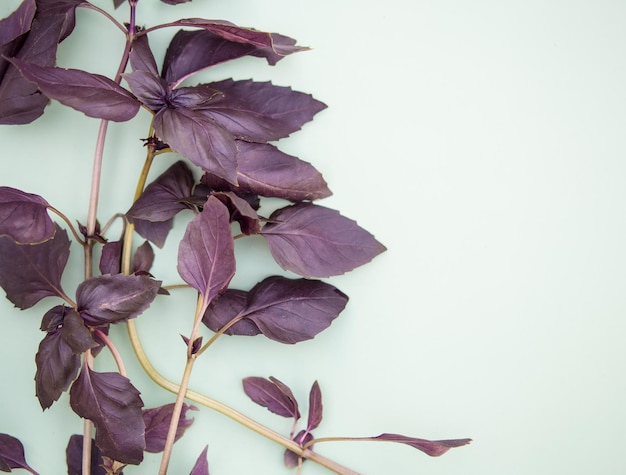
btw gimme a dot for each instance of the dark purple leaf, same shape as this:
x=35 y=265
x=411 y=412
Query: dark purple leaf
x=240 y=211
x=115 y=298
x=111 y=257
x=200 y=140
x=192 y=51
x=290 y=311
x=434 y=448
x=92 y=94
x=264 y=170
x=141 y=57
x=24 y=216
x=271 y=46
x=12 y=453
x=201 y=466
x=57 y=366
x=206 y=258
x=76 y=334
x=272 y=394
x=149 y=88
x=20 y=100
x=28 y=273
x=113 y=404
x=291 y=458
x=260 y=111
x=157 y=422
x=194 y=97
x=315 y=407
x=315 y=241
x=163 y=198
x=53 y=318
x=154 y=231
x=18 y=22
x=118 y=3
x=175 y=2
x=226 y=307
x=143 y=258
x=74 y=457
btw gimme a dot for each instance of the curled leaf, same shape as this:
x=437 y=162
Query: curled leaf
x=24 y=216
x=434 y=448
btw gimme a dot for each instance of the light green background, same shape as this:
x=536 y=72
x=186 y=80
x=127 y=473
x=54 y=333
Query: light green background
x=483 y=143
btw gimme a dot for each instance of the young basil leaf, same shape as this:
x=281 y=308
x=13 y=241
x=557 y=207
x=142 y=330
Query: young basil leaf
x=143 y=258
x=272 y=394
x=201 y=467
x=434 y=448
x=154 y=231
x=240 y=211
x=24 y=216
x=149 y=88
x=164 y=197
x=315 y=407
x=157 y=422
x=206 y=256
x=76 y=334
x=291 y=458
x=224 y=308
x=114 y=298
x=290 y=311
x=198 y=138
x=12 y=454
x=111 y=258
x=118 y=3
x=141 y=57
x=57 y=366
x=28 y=273
x=74 y=457
x=264 y=170
x=314 y=241
x=259 y=111
x=114 y=406
x=92 y=94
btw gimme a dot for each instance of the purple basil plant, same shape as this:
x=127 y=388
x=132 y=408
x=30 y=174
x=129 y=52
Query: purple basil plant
x=220 y=140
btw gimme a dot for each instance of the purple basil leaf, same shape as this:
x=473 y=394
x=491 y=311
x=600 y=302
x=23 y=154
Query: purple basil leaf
x=24 y=216
x=154 y=231
x=149 y=88
x=163 y=198
x=141 y=57
x=314 y=241
x=193 y=51
x=12 y=453
x=240 y=211
x=115 y=298
x=260 y=111
x=264 y=170
x=57 y=366
x=74 y=457
x=20 y=100
x=76 y=334
x=206 y=258
x=315 y=407
x=53 y=318
x=18 y=22
x=92 y=94
x=113 y=404
x=111 y=257
x=272 y=394
x=4 y=465
x=291 y=458
x=200 y=140
x=271 y=46
x=175 y=2
x=28 y=273
x=118 y=3
x=157 y=422
x=143 y=258
x=290 y=311
x=201 y=466
x=226 y=307
x=434 y=448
